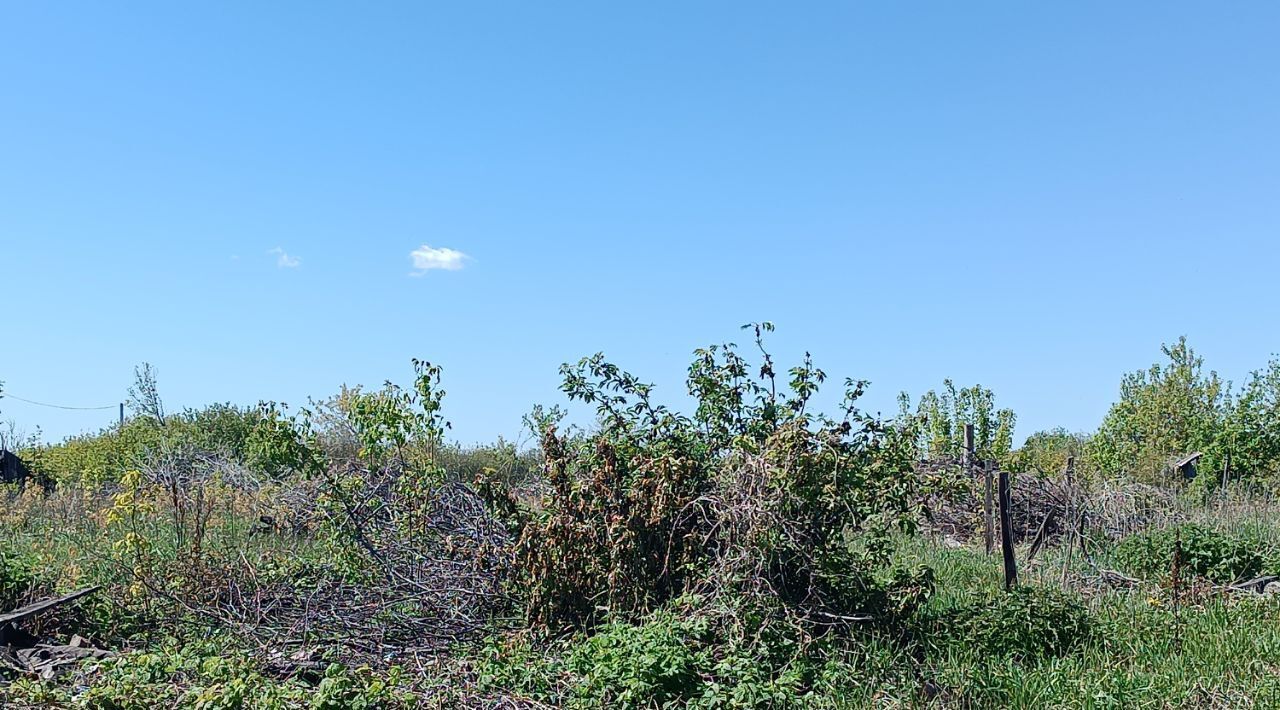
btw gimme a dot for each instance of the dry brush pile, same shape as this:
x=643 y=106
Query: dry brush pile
x=1046 y=508
x=369 y=554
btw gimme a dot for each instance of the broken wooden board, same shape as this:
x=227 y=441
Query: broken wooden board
x=29 y=610
x=48 y=660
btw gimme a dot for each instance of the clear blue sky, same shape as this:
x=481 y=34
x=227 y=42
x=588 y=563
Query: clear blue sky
x=1031 y=196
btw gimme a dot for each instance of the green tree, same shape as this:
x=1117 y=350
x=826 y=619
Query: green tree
x=942 y=415
x=1252 y=435
x=1047 y=452
x=144 y=394
x=1164 y=411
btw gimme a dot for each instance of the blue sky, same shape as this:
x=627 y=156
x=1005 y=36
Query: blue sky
x=1031 y=196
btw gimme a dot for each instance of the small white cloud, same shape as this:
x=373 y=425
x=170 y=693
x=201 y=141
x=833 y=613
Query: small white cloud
x=283 y=260
x=426 y=258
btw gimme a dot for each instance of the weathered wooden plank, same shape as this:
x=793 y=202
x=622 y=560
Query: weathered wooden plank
x=38 y=607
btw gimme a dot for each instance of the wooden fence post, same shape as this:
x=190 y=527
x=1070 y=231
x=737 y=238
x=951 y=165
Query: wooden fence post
x=988 y=510
x=1006 y=531
x=967 y=454
x=969 y=464
x=1070 y=521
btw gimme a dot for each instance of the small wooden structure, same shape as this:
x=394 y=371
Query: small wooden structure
x=12 y=470
x=1186 y=466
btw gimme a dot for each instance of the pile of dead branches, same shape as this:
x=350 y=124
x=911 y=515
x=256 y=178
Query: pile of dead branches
x=411 y=563
x=761 y=547
x=1049 y=507
x=432 y=559
x=1118 y=509
x=1037 y=502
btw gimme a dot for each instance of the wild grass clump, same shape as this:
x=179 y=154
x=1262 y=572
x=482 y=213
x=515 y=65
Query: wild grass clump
x=1026 y=624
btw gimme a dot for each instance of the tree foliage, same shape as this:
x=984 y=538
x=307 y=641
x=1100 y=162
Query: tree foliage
x=144 y=395
x=942 y=415
x=1047 y=452
x=1165 y=411
x=1252 y=430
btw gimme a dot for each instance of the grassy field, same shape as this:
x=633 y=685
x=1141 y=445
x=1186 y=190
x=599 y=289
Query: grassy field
x=1082 y=643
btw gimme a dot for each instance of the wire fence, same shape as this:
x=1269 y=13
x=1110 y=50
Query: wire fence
x=6 y=395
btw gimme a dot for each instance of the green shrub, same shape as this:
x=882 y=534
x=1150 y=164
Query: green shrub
x=520 y=664
x=216 y=427
x=93 y=459
x=275 y=445
x=210 y=676
x=686 y=655
x=263 y=438
x=754 y=494
x=1217 y=556
x=653 y=664
x=17 y=577
x=1026 y=624
x=360 y=689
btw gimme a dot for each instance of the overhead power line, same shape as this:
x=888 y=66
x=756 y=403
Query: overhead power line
x=6 y=395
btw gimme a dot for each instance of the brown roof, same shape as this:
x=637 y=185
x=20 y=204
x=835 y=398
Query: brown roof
x=1189 y=458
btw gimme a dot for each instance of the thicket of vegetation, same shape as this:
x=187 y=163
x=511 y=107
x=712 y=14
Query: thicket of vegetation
x=752 y=552
x=1175 y=408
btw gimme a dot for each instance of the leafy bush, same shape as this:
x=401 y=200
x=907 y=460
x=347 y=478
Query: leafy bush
x=1047 y=452
x=684 y=655
x=262 y=438
x=1026 y=624
x=17 y=577
x=753 y=497
x=275 y=444
x=94 y=459
x=522 y=664
x=218 y=427
x=1208 y=553
x=654 y=664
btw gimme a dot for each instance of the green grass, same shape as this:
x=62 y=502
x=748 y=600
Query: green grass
x=1214 y=651
x=970 y=646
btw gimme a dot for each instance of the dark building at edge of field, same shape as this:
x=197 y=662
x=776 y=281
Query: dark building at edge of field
x=12 y=470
